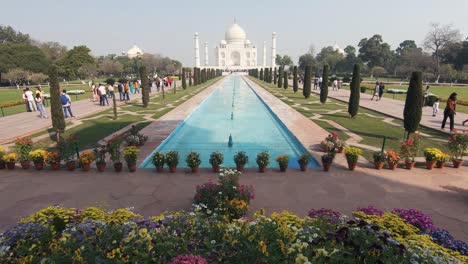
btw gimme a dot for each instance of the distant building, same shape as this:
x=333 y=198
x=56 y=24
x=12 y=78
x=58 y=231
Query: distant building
x=133 y=52
x=340 y=50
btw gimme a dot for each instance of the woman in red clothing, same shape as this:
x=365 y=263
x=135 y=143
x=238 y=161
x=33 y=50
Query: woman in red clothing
x=449 y=111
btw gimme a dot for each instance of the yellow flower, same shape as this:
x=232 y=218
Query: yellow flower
x=143 y=232
x=110 y=255
x=98 y=232
x=262 y=247
x=301 y=259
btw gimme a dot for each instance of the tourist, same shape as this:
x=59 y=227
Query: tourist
x=103 y=95
x=169 y=81
x=110 y=88
x=340 y=84
x=30 y=98
x=320 y=82
x=435 y=107
x=126 y=95
x=335 y=85
x=376 y=91
x=449 y=111
x=40 y=105
x=131 y=87
x=120 y=88
x=316 y=83
x=136 y=87
x=40 y=92
x=66 y=104
x=426 y=95
x=25 y=99
x=381 y=90
x=158 y=83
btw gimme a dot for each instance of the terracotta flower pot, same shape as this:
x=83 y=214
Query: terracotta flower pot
x=378 y=165
x=303 y=167
x=340 y=150
x=55 y=166
x=172 y=169
x=283 y=167
x=215 y=168
x=457 y=163
x=131 y=168
x=39 y=165
x=101 y=167
x=409 y=165
x=440 y=164
x=392 y=165
x=25 y=164
x=240 y=167
x=10 y=165
x=71 y=165
x=351 y=165
x=118 y=166
x=430 y=164
x=160 y=168
x=326 y=166
x=84 y=166
x=2 y=165
x=261 y=169
x=194 y=169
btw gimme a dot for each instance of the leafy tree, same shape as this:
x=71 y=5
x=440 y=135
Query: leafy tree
x=52 y=50
x=17 y=76
x=354 y=96
x=307 y=82
x=58 y=120
x=38 y=78
x=110 y=67
x=280 y=77
x=73 y=59
x=330 y=56
x=22 y=55
x=438 y=38
x=324 y=88
x=307 y=59
x=144 y=86
x=405 y=46
x=285 y=80
x=184 y=80
x=295 y=84
x=283 y=61
x=375 y=52
x=378 y=71
x=412 y=112
x=8 y=34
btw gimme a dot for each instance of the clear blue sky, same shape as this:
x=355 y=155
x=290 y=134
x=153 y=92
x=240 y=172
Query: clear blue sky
x=167 y=27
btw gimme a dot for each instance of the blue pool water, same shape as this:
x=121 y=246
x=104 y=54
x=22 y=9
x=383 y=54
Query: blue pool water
x=254 y=128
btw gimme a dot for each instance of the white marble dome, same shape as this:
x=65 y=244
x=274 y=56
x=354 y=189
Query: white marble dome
x=223 y=42
x=134 y=51
x=247 y=42
x=235 y=34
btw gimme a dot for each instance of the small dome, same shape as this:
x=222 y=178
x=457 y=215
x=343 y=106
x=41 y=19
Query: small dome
x=223 y=42
x=247 y=42
x=337 y=48
x=134 y=52
x=235 y=34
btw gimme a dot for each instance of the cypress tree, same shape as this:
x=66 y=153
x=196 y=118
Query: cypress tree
x=265 y=75
x=270 y=75
x=413 y=104
x=280 y=77
x=307 y=82
x=111 y=81
x=354 y=96
x=195 y=76
x=203 y=76
x=175 y=86
x=190 y=78
x=184 y=80
x=285 y=80
x=261 y=74
x=295 y=84
x=275 y=76
x=324 y=88
x=144 y=86
x=58 y=120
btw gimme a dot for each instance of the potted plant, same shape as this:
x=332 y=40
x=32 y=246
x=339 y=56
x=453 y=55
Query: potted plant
x=100 y=155
x=130 y=156
x=10 y=160
x=216 y=159
x=352 y=154
x=409 y=149
x=431 y=155
x=158 y=161
x=241 y=158
x=172 y=160
x=339 y=146
x=303 y=161
x=113 y=147
x=23 y=146
x=132 y=140
x=67 y=148
x=392 y=159
x=193 y=161
x=283 y=161
x=86 y=158
x=2 y=160
x=53 y=159
x=442 y=158
x=379 y=159
x=38 y=157
x=458 y=145
x=327 y=160
x=263 y=159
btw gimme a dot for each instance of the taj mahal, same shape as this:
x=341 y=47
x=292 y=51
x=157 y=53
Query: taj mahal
x=235 y=51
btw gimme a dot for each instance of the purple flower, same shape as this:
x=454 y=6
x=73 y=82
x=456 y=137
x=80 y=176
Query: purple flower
x=324 y=213
x=370 y=210
x=416 y=218
x=187 y=259
x=445 y=239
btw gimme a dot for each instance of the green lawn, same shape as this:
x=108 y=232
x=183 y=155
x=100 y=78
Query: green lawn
x=368 y=124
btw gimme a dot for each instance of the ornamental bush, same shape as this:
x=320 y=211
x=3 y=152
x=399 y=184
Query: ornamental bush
x=324 y=88
x=285 y=80
x=307 y=82
x=412 y=112
x=280 y=76
x=295 y=84
x=144 y=86
x=354 y=96
x=56 y=109
x=184 y=79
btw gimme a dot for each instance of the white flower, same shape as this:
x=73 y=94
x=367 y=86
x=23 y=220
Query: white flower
x=213 y=242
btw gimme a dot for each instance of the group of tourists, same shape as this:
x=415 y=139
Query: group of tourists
x=379 y=89
x=34 y=101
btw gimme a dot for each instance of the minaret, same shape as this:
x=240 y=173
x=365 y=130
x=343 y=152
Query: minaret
x=273 y=49
x=206 y=53
x=264 y=54
x=197 y=51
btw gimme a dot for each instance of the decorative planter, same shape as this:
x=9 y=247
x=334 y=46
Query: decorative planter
x=457 y=163
x=240 y=167
x=25 y=164
x=351 y=165
x=131 y=168
x=172 y=169
x=2 y=165
x=10 y=165
x=55 y=166
x=39 y=165
x=430 y=164
x=283 y=167
x=261 y=169
x=160 y=168
x=409 y=165
x=71 y=165
x=392 y=165
x=101 y=167
x=440 y=164
x=303 y=167
x=378 y=165
x=340 y=150
x=118 y=166
x=326 y=166
x=84 y=166
x=215 y=168
x=194 y=169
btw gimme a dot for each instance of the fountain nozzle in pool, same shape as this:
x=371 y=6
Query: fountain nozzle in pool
x=230 y=143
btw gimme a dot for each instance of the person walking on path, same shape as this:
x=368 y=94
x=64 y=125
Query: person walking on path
x=136 y=87
x=25 y=99
x=66 y=104
x=40 y=105
x=449 y=111
x=340 y=84
x=381 y=90
x=335 y=85
x=376 y=91
x=126 y=96
x=426 y=96
x=31 y=101
x=131 y=87
x=102 y=91
x=120 y=88
x=435 y=107
x=111 y=90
